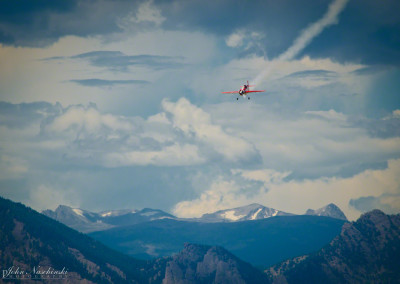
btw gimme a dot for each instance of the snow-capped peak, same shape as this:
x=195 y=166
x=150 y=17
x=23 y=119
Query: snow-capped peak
x=249 y=212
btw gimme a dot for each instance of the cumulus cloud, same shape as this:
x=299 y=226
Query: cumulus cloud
x=79 y=122
x=396 y=113
x=174 y=155
x=195 y=122
x=183 y=134
x=310 y=144
x=235 y=39
x=246 y=39
x=315 y=156
x=146 y=13
x=296 y=196
x=222 y=194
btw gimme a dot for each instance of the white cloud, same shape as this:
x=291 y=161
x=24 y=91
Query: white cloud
x=329 y=115
x=50 y=80
x=174 y=155
x=196 y=123
x=147 y=12
x=244 y=38
x=222 y=194
x=322 y=143
x=295 y=196
x=396 y=113
x=183 y=134
x=80 y=119
x=306 y=157
x=235 y=39
x=267 y=176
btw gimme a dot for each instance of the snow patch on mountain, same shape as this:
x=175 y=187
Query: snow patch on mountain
x=78 y=211
x=231 y=215
x=86 y=221
x=255 y=214
x=250 y=212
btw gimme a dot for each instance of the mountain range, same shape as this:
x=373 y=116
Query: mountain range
x=261 y=242
x=365 y=251
x=31 y=243
x=267 y=235
x=86 y=221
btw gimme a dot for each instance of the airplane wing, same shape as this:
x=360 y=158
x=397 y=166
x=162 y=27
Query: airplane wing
x=234 y=92
x=255 y=91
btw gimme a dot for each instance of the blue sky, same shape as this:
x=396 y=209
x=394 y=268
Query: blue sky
x=118 y=104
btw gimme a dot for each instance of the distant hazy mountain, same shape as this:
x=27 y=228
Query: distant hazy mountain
x=86 y=221
x=261 y=242
x=330 y=210
x=366 y=251
x=250 y=212
x=205 y=264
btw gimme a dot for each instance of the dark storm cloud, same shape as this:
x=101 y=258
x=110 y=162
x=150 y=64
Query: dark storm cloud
x=367 y=31
x=279 y=21
x=42 y=22
x=313 y=73
x=386 y=127
x=107 y=83
x=27 y=22
x=365 y=204
x=371 y=70
x=117 y=61
x=24 y=114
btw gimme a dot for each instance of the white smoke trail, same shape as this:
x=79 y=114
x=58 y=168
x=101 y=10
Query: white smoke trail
x=306 y=36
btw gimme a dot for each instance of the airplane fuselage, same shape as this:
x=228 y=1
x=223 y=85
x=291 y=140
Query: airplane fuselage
x=244 y=90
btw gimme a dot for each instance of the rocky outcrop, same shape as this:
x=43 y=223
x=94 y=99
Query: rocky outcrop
x=366 y=251
x=205 y=264
x=330 y=210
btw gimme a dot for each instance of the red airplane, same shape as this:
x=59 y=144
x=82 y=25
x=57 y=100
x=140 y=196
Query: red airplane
x=244 y=90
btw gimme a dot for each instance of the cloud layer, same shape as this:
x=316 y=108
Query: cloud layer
x=317 y=157
x=117 y=104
